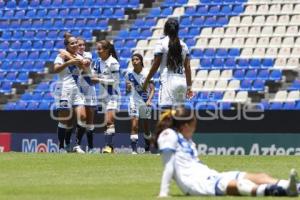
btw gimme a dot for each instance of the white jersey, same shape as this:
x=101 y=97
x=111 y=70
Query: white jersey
x=173 y=87
x=67 y=91
x=86 y=85
x=70 y=75
x=192 y=176
x=109 y=94
x=136 y=81
x=162 y=48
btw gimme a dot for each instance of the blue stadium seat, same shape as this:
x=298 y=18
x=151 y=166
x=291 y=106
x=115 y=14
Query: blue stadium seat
x=218 y=63
x=47 y=97
x=17 y=66
x=254 y=63
x=31 y=13
x=10 y=106
x=44 y=106
x=221 y=53
x=251 y=74
x=221 y=21
x=26 y=45
x=11 y=4
x=23 y=4
x=190 y=42
x=201 y=10
x=27 y=66
x=119 y=13
x=130 y=44
x=194 y=31
x=36 y=3
x=23 y=78
x=243 y=63
x=29 y=35
x=234 y=52
x=237 y=9
x=14 y=24
x=206 y=63
x=20 y=14
x=57 y=3
x=32 y=106
x=26 y=97
x=6 y=34
x=190 y=11
x=17 y=35
x=41 y=13
x=74 y=12
x=107 y=12
x=213 y=10
x=267 y=63
x=6 y=87
x=166 y=12
x=155 y=12
x=197 y=53
x=34 y=55
x=226 y=10
x=276 y=106
x=6 y=65
x=37 y=45
x=5 y=45
x=258 y=85
x=198 y=21
x=230 y=63
x=239 y=74
x=2 y=55
x=12 y=56
x=263 y=74
x=210 y=22
x=209 y=53
x=275 y=75
x=246 y=85
x=289 y=106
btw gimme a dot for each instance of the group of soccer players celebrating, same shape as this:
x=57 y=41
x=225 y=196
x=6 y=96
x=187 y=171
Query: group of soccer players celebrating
x=75 y=93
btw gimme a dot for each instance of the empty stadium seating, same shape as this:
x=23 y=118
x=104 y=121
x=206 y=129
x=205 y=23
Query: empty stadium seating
x=238 y=48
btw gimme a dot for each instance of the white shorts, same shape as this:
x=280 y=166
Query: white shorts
x=139 y=109
x=172 y=91
x=89 y=93
x=68 y=96
x=215 y=185
x=111 y=102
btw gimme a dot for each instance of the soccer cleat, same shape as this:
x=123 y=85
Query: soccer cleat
x=107 y=149
x=134 y=153
x=292 y=186
x=77 y=149
x=62 y=150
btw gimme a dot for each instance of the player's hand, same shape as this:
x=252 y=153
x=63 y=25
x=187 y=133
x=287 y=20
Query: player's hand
x=149 y=103
x=189 y=94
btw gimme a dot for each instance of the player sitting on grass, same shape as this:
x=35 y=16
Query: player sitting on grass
x=181 y=163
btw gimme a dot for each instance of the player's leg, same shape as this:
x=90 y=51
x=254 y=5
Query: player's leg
x=146 y=116
x=68 y=134
x=133 y=112
x=110 y=131
x=134 y=137
x=63 y=127
x=80 y=127
x=90 y=111
x=268 y=186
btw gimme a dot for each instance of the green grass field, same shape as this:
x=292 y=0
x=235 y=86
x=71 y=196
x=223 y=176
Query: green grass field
x=72 y=176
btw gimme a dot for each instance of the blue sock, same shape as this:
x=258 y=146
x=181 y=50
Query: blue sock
x=275 y=190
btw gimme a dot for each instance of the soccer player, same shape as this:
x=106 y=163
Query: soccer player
x=88 y=89
x=180 y=160
x=68 y=97
x=172 y=56
x=140 y=102
x=107 y=68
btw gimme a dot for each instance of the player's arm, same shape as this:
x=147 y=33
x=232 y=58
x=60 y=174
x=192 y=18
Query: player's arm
x=168 y=159
x=58 y=67
x=153 y=70
x=188 y=76
x=151 y=94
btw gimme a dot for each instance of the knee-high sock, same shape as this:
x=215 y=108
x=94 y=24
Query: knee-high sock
x=79 y=134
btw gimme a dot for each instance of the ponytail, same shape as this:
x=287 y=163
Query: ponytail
x=174 y=57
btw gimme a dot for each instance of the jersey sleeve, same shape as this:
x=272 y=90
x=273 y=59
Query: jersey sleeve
x=167 y=141
x=158 y=50
x=58 y=60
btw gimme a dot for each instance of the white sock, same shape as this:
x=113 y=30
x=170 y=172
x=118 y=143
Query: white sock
x=260 y=191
